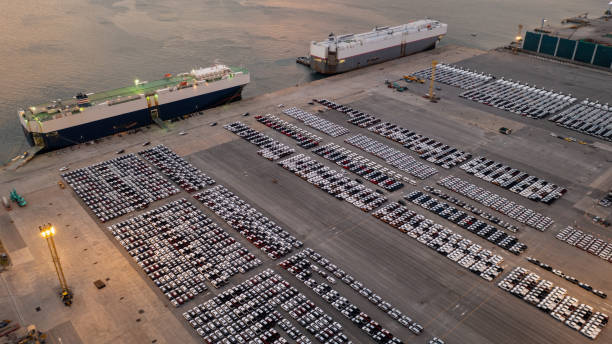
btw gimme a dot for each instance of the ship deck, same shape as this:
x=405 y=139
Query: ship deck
x=449 y=301
x=100 y=97
x=380 y=33
x=596 y=30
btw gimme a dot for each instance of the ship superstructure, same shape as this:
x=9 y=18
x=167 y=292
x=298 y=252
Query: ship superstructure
x=88 y=116
x=342 y=53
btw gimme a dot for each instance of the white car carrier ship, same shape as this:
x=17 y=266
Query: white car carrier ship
x=342 y=53
x=90 y=116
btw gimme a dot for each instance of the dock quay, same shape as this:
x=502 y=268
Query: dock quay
x=449 y=300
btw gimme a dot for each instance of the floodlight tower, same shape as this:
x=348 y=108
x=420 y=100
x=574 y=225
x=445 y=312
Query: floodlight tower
x=48 y=232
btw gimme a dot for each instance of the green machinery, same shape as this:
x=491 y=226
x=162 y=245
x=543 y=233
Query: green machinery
x=17 y=198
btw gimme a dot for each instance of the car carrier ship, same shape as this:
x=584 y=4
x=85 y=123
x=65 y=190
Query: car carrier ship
x=342 y=53
x=86 y=117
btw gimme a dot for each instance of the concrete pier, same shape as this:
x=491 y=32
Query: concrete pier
x=446 y=299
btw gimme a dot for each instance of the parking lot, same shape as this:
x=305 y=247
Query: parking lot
x=300 y=218
x=587 y=242
x=270 y=148
x=522 y=183
x=427 y=148
x=247 y=313
x=543 y=294
x=518 y=98
x=462 y=219
x=454 y=76
x=321 y=275
x=361 y=166
x=176 y=168
x=392 y=156
x=180 y=248
x=255 y=201
x=498 y=203
x=591 y=118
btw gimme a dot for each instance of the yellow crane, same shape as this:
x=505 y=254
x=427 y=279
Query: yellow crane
x=48 y=232
x=431 y=96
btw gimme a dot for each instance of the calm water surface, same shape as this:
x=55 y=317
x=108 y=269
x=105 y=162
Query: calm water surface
x=55 y=48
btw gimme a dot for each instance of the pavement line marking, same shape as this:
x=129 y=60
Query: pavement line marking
x=449 y=307
x=469 y=314
x=12 y=297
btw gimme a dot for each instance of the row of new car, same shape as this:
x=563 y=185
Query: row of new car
x=247 y=313
x=587 y=242
x=474 y=210
x=187 y=176
x=427 y=148
x=519 y=98
x=258 y=229
x=498 y=203
x=316 y=122
x=270 y=148
x=304 y=138
x=302 y=268
x=553 y=300
x=392 y=156
x=118 y=186
x=361 y=166
x=568 y=278
x=454 y=76
x=359 y=287
x=522 y=183
x=443 y=240
x=333 y=182
x=465 y=221
x=591 y=118
x=179 y=248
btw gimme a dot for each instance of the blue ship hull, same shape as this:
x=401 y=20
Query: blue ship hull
x=132 y=120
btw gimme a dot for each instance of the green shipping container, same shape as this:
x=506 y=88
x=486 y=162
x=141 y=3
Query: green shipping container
x=580 y=51
x=603 y=56
x=566 y=48
x=584 y=52
x=531 y=42
x=548 y=45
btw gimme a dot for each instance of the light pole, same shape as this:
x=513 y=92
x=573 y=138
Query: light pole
x=544 y=20
x=48 y=232
x=519 y=35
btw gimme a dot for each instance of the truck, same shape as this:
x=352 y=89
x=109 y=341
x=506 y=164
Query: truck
x=505 y=131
